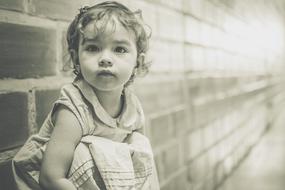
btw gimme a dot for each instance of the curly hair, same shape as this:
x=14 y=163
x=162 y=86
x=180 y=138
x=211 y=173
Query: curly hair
x=104 y=12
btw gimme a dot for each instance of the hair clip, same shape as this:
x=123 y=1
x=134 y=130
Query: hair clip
x=83 y=10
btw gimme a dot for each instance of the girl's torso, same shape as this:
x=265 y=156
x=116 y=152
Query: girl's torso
x=81 y=100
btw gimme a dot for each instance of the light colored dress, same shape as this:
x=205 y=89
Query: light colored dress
x=98 y=127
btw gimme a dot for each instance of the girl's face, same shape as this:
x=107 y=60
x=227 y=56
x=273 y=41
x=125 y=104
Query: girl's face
x=108 y=60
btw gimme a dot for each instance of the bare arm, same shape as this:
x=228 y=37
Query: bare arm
x=59 y=153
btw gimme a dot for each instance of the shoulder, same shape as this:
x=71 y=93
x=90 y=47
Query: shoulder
x=134 y=100
x=70 y=94
x=70 y=108
x=69 y=97
x=140 y=121
x=69 y=90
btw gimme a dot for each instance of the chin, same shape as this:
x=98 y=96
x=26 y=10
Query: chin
x=109 y=88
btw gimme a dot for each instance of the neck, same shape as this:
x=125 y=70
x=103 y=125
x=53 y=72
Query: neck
x=111 y=101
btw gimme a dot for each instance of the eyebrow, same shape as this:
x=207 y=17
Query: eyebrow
x=125 y=42
x=120 y=41
x=88 y=40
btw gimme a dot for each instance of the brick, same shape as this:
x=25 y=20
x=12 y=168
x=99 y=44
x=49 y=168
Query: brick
x=223 y=84
x=187 y=58
x=27 y=51
x=178 y=4
x=158 y=158
x=228 y=165
x=177 y=57
x=212 y=155
x=160 y=95
x=198 y=170
x=209 y=135
x=63 y=9
x=219 y=174
x=172 y=59
x=160 y=131
x=207 y=86
x=209 y=182
x=210 y=111
x=66 y=62
x=180 y=123
x=171 y=157
x=216 y=37
x=170 y=24
x=169 y=186
x=179 y=182
x=211 y=59
x=13 y=116
x=210 y=12
x=193 y=87
x=197 y=58
x=202 y=115
x=44 y=103
x=6 y=176
x=149 y=11
x=160 y=63
x=192 y=30
x=193 y=7
x=221 y=152
x=227 y=146
x=193 y=145
x=12 y=4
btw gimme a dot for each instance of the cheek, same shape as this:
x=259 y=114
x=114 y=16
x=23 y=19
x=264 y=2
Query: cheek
x=87 y=69
x=127 y=69
x=87 y=60
x=130 y=66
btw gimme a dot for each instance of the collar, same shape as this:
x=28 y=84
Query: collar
x=126 y=119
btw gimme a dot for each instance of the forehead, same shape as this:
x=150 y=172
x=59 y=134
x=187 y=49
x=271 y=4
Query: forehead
x=107 y=29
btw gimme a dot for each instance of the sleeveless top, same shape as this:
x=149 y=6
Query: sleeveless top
x=82 y=101
x=80 y=98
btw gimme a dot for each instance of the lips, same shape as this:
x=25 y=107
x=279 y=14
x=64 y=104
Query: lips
x=106 y=73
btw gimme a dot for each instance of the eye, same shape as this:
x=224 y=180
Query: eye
x=92 y=48
x=121 y=49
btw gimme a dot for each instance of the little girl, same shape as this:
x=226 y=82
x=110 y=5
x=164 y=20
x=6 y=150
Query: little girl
x=93 y=137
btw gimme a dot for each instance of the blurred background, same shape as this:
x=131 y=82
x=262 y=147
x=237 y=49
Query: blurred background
x=214 y=99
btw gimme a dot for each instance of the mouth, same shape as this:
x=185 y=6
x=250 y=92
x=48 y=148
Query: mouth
x=106 y=73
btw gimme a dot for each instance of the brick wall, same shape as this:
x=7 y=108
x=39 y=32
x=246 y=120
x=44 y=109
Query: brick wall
x=214 y=87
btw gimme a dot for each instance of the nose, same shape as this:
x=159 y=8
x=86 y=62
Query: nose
x=105 y=60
